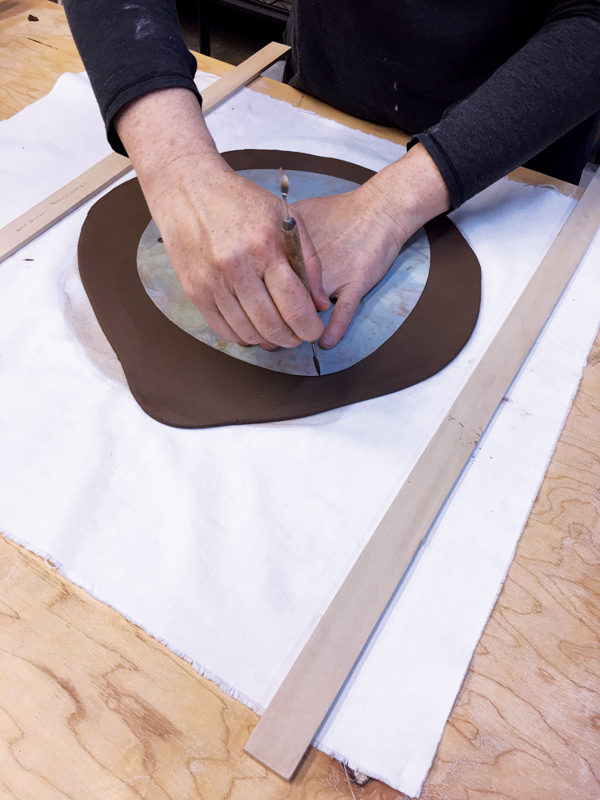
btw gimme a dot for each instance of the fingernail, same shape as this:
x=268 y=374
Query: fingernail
x=327 y=341
x=322 y=294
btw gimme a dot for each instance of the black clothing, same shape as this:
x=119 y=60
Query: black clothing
x=485 y=85
x=129 y=48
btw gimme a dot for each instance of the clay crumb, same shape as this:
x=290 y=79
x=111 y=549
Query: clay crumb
x=160 y=239
x=31 y=18
x=28 y=259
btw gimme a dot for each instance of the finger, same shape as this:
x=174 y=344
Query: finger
x=314 y=269
x=343 y=312
x=237 y=319
x=220 y=326
x=293 y=301
x=263 y=310
x=203 y=297
x=269 y=346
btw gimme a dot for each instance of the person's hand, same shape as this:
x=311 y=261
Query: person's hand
x=356 y=245
x=221 y=231
x=223 y=235
x=359 y=234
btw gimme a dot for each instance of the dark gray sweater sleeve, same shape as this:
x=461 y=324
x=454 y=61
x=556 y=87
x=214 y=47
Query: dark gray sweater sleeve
x=543 y=91
x=129 y=48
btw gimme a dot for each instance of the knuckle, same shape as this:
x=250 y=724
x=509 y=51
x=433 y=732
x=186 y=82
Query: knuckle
x=255 y=246
x=280 y=336
x=345 y=308
x=227 y=256
x=273 y=332
x=298 y=316
x=253 y=339
x=198 y=294
x=226 y=264
x=203 y=298
x=196 y=282
x=312 y=260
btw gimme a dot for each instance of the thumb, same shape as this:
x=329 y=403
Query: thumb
x=314 y=270
x=342 y=315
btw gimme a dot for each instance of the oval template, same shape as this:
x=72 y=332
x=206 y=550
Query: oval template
x=379 y=315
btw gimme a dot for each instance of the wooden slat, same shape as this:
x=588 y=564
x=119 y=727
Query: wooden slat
x=58 y=205
x=242 y=75
x=52 y=209
x=296 y=712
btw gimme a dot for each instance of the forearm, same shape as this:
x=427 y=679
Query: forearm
x=408 y=193
x=129 y=49
x=221 y=231
x=164 y=133
x=544 y=90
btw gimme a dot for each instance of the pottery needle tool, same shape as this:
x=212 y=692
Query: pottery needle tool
x=293 y=248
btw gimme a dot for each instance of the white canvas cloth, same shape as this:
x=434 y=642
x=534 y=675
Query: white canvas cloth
x=228 y=544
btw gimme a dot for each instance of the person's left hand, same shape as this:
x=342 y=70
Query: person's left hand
x=356 y=244
x=358 y=235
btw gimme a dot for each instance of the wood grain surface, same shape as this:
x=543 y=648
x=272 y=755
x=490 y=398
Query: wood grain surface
x=32 y=53
x=91 y=707
x=527 y=721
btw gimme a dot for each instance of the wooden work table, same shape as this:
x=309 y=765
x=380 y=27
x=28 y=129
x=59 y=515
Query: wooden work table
x=90 y=706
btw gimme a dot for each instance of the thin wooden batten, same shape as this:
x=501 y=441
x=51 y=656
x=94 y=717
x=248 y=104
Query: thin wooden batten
x=74 y=194
x=286 y=729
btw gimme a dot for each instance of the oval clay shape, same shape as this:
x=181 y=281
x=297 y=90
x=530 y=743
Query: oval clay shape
x=180 y=381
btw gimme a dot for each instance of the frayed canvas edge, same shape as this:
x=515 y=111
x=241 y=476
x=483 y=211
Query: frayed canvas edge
x=53 y=563
x=254 y=706
x=229 y=690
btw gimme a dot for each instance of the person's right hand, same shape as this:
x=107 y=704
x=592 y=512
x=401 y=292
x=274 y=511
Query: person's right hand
x=221 y=231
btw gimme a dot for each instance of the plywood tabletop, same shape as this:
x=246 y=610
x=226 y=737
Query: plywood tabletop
x=90 y=706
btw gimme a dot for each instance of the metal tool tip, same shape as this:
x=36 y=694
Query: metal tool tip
x=316 y=358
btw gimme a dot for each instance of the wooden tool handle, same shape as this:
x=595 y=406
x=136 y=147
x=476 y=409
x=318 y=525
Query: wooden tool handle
x=293 y=248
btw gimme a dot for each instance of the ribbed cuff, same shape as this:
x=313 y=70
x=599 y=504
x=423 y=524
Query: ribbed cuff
x=138 y=89
x=449 y=175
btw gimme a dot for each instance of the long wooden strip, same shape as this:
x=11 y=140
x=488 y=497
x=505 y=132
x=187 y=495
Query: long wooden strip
x=58 y=205
x=242 y=75
x=296 y=712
